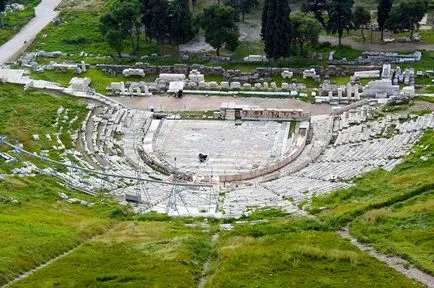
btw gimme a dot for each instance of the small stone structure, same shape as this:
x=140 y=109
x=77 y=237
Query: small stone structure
x=232 y=111
x=386 y=73
x=311 y=73
x=133 y=72
x=80 y=84
x=287 y=74
x=367 y=74
x=129 y=89
x=171 y=77
x=255 y=59
x=381 y=89
x=64 y=67
x=196 y=76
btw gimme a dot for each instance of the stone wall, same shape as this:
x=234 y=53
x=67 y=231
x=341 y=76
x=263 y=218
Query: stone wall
x=330 y=70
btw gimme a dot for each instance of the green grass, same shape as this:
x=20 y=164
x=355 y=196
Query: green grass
x=41 y=226
x=14 y=21
x=380 y=188
x=292 y=126
x=134 y=254
x=427 y=62
x=425 y=98
x=100 y=80
x=64 y=37
x=24 y=114
x=285 y=253
x=405 y=229
x=248 y=48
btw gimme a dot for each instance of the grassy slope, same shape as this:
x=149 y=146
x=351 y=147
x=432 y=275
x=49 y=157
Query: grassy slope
x=135 y=254
x=290 y=253
x=405 y=228
x=24 y=114
x=380 y=188
x=41 y=226
x=392 y=210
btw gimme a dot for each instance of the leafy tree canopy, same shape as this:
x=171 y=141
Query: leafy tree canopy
x=220 y=28
x=305 y=29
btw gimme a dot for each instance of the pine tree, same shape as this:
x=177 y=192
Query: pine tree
x=276 y=29
x=383 y=10
x=340 y=17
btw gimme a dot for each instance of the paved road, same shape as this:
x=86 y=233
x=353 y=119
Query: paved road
x=44 y=14
x=396 y=47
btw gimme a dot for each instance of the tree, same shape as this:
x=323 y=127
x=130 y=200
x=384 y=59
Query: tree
x=158 y=20
x=305 y=29
x=340 y=17
x=318 y=8
x=276 y=28
x=122 y=21
x=362 y=18
x=114 y=40
x=2 y=9
x=246 y=6
x=220 y=28
x=407 y=14
x=127 y=14
x=235 y=4
x=111 y=31
x=181 y=23
x=383 y=10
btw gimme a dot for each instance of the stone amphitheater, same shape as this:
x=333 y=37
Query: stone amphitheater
x=140 y=156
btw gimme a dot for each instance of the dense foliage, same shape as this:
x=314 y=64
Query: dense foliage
x=340 y=17
x=220 y=28
x=383 y=10
x=276 y=29
x=362 y=18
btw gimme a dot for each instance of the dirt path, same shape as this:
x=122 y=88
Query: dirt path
x=44 y=14
x=398 y=47
x=30 y=272
x=205 y=268
x=397 y=263
x=203 y=103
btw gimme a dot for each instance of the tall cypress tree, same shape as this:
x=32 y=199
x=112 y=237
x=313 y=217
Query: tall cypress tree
x=2 y=9
x=276 y=28
x=383 y=10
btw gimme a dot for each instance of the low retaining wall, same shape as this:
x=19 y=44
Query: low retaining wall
x=351 y=106
x=260 y=72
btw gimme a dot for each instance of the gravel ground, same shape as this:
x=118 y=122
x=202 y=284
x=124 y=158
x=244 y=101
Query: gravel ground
x=203 y=103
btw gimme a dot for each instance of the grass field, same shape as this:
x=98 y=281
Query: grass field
x=40 y=225
x=289 y=253
x=64 y=37
x=134 y=254
x=24 y=114
x=405 y=229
